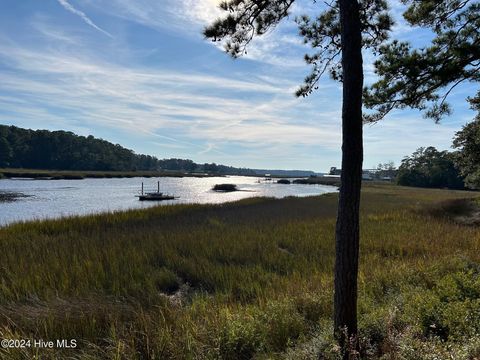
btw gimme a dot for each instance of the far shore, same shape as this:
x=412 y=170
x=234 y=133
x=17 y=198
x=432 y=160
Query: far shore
x=43 y=174
x=39 y=174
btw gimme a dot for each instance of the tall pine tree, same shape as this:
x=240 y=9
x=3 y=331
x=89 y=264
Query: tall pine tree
x=337 y=34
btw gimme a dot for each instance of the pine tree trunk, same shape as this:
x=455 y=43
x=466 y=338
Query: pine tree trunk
x=347 y=229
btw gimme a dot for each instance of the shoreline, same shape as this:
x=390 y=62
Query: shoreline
x=86 y=174
x=46 y=174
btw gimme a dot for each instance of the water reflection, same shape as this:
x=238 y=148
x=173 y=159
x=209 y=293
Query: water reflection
x=56 y=198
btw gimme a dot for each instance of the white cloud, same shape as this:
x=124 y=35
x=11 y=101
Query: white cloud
x=200 y=11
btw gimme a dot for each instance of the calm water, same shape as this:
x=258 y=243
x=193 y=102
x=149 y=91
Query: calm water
x=56 y=198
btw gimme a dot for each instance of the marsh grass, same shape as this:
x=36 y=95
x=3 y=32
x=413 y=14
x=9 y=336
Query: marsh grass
x=250 y=279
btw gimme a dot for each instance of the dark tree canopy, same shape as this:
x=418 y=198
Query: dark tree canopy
x=43 y=149
x=63 y=150
x=423 y=78
x=428 y=167
x=467 y=142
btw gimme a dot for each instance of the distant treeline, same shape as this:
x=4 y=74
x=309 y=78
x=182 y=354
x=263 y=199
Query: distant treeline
x=64 y=150
x=428 y=167
x=459 y=169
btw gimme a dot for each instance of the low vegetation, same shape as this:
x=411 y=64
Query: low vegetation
x=250 y=279
x=225 y=187
x=8 y=196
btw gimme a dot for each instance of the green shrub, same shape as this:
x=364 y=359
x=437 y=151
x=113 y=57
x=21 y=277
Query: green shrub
x=241 y=337
x=451 y=309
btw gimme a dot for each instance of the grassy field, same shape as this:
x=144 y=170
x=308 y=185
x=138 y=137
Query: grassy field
x=251 y=279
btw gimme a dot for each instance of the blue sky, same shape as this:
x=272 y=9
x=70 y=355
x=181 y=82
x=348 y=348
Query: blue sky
x=139 y=73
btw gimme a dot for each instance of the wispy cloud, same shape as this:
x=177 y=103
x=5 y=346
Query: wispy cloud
x=188 y=106
x=189 y=17
x=82 y=15
x=197 y=111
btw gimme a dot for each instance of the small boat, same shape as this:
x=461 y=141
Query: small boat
x=157 y=196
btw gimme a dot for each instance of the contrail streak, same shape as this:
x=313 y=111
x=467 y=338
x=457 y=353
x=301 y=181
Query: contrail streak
x=84 y=17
